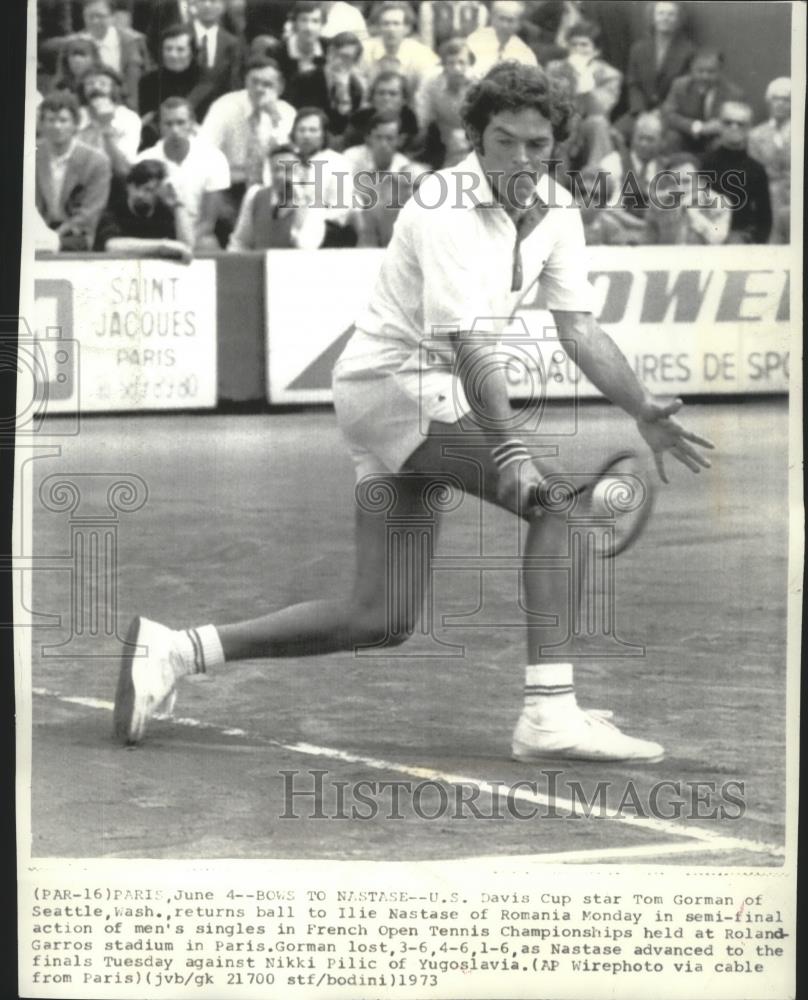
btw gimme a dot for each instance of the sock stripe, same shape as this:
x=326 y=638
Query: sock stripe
x=547 y=690
x=199 y=656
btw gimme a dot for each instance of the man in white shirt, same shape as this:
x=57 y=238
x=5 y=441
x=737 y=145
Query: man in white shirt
x=394 y=48
x=421 y=398
x=246 y=125
x=499 y=42
x=197 y=171
x=323 y=176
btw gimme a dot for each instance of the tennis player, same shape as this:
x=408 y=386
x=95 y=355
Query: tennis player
x=421 y=375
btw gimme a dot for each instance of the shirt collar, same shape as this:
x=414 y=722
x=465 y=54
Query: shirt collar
x=478 y=194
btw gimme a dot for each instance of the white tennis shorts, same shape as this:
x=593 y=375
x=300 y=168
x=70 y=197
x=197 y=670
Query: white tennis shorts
x=384 y=415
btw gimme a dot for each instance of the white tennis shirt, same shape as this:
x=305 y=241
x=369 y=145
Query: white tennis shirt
x=451 y=265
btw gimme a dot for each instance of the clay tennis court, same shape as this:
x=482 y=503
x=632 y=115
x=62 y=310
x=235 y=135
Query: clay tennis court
x=247 y=513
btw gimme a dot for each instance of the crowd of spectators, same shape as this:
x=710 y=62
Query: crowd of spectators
x=172 y=126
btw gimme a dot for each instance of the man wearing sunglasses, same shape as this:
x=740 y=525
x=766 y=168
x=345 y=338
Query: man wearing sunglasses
x=733 y=173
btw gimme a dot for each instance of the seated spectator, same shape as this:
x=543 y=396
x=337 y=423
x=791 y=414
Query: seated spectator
x=77 y=56
x=341 y=17
x=270 y=216
x=691 y=108
x=388 y=95
x=440 y=20
x=177 y=76
x=123 y=50
x=500 y=42
x=655 y=61
x=631 y=170
x=740 y=178
x=682 y=210
x=321 y=177
x=441 y=98
x=72 y=179
x=245 y=125
x=141 y=220
x=770 y=144
x=335 y=86
x=394 y=49
x=196 y=171
x=595 y=84
x=302 y=52
x=383 y=179
x=105 y=122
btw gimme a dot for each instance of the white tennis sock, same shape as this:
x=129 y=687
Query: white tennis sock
x=199 y=648
x=549 y=692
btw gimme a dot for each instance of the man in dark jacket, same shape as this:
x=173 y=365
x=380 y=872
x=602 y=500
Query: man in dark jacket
x=655 y=61
x=691 y=107
x=740 y=178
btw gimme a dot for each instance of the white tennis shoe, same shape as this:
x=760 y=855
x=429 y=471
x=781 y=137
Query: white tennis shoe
x=586 y=735
x=147 y=681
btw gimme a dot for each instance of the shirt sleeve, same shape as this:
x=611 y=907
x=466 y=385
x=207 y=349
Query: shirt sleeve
x=564 y=278
x=213 y=127
x=129 y=135
x=283 y=130
x=218 y=175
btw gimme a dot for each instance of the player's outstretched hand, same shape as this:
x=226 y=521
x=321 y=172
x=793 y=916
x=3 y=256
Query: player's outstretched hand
x=663 y=433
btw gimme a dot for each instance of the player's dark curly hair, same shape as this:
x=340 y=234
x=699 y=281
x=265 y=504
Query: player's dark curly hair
x=511 y=86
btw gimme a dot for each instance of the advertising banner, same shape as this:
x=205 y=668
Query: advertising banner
x=690 y=320
x=119 y=335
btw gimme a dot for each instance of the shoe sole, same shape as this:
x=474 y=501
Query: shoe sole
x=559 y=756
x=123 y=716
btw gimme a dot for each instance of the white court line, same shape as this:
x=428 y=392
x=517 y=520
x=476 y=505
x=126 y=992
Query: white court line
x=707 y=840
